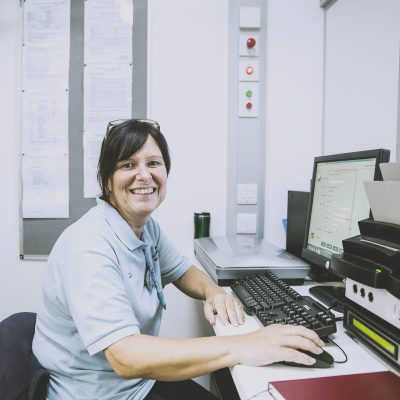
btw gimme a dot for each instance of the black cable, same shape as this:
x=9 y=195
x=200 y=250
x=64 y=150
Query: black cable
x=334 y=304
x=344 y=353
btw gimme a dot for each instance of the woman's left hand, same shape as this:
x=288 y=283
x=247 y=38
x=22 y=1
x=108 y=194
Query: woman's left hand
x=226 y=306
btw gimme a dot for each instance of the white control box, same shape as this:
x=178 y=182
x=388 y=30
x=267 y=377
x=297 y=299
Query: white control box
x=250 y=17
x=248 y=70
x=248 y=99
x=249 y=44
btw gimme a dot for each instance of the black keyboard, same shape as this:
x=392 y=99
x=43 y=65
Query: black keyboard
x=273 y=301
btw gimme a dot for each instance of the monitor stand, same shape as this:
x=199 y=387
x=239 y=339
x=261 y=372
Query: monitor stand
x=331 y=296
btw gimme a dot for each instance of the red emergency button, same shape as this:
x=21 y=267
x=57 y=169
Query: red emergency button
x=249 y=70
x=249 y=105
x=251 y=42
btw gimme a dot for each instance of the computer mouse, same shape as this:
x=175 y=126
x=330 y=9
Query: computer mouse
x=324 y=360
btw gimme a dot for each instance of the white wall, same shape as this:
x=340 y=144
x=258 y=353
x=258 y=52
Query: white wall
x=362 y=74
x=294 y=105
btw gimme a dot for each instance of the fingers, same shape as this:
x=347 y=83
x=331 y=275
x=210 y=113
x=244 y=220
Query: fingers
x=209 y=313
x=305 y=333
x=299 y=337
x=235 y=310
x=227 y=307
x=221 y=309
x=292 y=355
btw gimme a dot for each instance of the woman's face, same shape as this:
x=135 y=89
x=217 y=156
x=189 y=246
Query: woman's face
x=139 y=184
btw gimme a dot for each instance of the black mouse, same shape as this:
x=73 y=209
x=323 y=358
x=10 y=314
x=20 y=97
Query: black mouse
x=324 y=360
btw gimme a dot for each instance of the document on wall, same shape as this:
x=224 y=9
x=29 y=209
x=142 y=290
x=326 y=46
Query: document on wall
x=45 y=194
x=108 y=31
x=44 y=123
x=44 y=108
x=46 y=21
x=107 y=97
x=107 y=77
x=46 y=42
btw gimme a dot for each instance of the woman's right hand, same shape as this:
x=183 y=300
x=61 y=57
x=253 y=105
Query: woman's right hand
x=276 y=343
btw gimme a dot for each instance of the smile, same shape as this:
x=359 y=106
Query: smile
x=143 y=191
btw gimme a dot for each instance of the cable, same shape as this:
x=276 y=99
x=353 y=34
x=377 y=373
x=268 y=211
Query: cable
x=334 y=304
x=344 y=353
x=258 y=394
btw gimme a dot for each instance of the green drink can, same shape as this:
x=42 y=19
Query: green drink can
x=201 y=225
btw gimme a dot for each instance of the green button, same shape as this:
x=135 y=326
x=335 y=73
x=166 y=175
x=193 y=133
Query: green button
x=378 y=270
x=249 y=93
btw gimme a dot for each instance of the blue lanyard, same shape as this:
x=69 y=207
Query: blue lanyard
x=151 y=281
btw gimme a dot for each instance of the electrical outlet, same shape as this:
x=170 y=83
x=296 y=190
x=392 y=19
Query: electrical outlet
x=247 y=193
x=246 y=223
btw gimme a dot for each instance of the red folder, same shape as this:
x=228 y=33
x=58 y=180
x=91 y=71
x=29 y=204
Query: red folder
x=368 y=386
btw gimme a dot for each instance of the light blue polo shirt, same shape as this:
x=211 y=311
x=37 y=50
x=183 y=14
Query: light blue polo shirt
x=94 y=295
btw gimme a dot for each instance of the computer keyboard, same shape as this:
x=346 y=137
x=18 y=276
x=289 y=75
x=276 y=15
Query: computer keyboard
x=273 y=301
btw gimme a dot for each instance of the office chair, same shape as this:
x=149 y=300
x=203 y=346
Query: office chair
x=21 y=375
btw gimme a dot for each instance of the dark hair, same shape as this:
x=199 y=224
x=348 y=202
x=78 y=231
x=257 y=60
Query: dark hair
x=121 y=141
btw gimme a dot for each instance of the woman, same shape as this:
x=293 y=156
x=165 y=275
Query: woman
x=102 y=293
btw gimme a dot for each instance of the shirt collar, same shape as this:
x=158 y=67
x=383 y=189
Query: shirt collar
x=121 y=228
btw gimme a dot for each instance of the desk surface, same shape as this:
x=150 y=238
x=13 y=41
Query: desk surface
x=250 y=381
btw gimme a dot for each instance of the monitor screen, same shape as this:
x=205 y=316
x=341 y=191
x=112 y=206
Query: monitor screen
x=338 y=201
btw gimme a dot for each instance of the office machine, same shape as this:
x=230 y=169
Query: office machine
x=227 y=258
x=371 y=265
x=337 y=202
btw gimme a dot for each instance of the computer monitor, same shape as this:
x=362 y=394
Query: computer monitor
x=337 y=202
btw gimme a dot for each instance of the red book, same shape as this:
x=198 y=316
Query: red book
x=368 y=386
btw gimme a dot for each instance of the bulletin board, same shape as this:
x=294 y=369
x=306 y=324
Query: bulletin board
x=38 y=235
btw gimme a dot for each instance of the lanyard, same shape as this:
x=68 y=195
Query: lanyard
x=151 y=280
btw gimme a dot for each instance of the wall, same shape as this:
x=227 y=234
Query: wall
x=362 y=76
x=294 y=105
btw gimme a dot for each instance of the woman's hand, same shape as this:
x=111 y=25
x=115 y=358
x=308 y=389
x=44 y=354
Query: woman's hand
x=226 y=306
x=197 y=284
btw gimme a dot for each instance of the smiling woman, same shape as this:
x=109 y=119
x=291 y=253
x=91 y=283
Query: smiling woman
x=102 y=303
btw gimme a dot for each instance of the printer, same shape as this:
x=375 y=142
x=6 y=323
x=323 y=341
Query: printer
x=370 y=264
x=227 y=258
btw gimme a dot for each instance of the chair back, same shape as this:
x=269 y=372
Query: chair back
x=21 y=375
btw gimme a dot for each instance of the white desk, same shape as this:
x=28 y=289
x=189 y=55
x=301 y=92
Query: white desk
x=252 y=380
